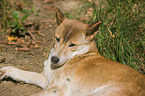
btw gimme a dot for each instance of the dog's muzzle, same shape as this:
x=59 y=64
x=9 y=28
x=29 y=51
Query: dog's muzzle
x=54 y=60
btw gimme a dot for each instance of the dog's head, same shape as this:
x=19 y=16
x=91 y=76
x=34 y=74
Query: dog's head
x=72 y=38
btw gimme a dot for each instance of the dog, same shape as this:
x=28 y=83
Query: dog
x=75 y=67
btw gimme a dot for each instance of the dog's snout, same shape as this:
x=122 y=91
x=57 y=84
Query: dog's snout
x=54 y=59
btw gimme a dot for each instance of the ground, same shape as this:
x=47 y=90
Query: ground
x=33 y=59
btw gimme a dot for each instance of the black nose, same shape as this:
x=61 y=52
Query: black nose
x=54 y=59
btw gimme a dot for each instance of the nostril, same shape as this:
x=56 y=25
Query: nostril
x=54 y=59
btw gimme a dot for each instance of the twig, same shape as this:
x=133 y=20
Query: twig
x=22 y=49
x=39 y=33
x=25 y=49
x=31 y=35
x=10 y=43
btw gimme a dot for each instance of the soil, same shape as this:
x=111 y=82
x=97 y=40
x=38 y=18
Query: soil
x=32 y=60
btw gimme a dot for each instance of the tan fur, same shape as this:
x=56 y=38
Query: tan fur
x=80 y=70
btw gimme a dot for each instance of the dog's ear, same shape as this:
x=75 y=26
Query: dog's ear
x=92 y=29
x=59 y=16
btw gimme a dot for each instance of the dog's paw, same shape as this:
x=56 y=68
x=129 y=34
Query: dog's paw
x=4 y=72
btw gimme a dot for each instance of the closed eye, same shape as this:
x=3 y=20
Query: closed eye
x=57 y=39
x=72 y=45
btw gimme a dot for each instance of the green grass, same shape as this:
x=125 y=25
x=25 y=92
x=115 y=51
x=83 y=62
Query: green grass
x=121 y=36
x=5 y=13
x=3 y=6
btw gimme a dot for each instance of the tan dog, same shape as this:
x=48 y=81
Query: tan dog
x=75 y=68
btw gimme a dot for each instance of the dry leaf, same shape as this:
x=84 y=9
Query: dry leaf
x=12 y=38
x=10 y=43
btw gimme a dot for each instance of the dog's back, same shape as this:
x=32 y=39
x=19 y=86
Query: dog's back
x=93 y=75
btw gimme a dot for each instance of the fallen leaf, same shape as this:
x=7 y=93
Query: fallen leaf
x=10 y=43
x=12 y=38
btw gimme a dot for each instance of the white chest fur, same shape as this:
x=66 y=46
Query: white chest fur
x=63 y=81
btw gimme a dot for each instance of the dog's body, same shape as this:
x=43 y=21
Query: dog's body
x=75 y=68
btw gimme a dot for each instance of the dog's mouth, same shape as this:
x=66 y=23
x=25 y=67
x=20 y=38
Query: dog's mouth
x=55 y=62
x=56 y=66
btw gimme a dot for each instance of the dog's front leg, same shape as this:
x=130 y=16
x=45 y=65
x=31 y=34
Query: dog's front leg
x=53 y=91
x=26 y=76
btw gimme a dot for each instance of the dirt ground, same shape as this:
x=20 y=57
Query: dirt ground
x=33 y=59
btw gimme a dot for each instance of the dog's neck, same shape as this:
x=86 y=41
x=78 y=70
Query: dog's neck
x=78 y=58
x=93 y=47
x=92 y=52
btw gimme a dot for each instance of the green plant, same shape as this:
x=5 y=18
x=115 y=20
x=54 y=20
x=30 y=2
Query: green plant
x=17 y=20
x=121 y=35
x=36 y=12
